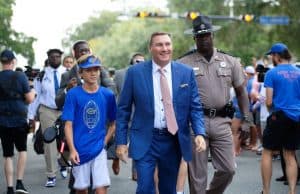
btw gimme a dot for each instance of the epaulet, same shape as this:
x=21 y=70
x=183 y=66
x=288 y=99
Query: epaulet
x=220 y=51
x=188 y=53
x=41 y=76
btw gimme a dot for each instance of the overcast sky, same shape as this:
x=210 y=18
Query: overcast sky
x=48 y=20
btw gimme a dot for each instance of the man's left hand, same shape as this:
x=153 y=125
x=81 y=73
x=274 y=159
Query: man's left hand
x=200 y=143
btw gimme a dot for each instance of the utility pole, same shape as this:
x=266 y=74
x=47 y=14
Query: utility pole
x=231 y=8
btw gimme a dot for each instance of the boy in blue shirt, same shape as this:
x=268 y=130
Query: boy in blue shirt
x=87 y=110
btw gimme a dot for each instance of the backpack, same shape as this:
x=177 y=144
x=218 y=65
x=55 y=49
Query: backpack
x=38 y=141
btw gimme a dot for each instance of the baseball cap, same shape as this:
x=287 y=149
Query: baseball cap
x=7 y=56
x=277 y=48
x=250 y=69
x=91 y=61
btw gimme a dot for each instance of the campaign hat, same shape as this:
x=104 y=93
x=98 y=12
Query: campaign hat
x=202 y=25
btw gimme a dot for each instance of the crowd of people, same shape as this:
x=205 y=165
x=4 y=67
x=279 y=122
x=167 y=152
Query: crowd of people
x=169 y=116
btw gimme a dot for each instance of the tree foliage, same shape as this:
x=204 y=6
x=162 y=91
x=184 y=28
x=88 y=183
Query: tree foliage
x=115 y=49
x=115 y=41
x=247 y=40
x=18 y=42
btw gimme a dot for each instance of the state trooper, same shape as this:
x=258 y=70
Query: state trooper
x=216 y=72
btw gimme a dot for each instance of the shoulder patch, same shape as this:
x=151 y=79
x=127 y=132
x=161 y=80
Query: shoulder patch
x=188 y=53
x=220 y=51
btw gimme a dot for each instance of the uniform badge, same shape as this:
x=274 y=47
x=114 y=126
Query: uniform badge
x=222 y=64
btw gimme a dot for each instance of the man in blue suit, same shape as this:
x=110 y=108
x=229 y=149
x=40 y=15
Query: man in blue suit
x=160 y=131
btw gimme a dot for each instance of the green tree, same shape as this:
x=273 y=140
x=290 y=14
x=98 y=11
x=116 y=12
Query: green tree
x=94 y=27
x=115 y=41
x=124 y=38
x=243 y=39
x=9 y=38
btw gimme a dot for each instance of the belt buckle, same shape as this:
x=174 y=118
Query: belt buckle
x=212 y=113
x=161 y=131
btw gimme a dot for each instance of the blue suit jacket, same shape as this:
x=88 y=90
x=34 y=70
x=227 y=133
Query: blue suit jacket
x=138 y=91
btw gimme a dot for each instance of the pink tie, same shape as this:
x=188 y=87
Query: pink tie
x=168 y=105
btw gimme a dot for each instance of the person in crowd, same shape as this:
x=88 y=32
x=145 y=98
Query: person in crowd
x=236 y=123
x=45 y=110
x=86 y=111
x=282 y=130
x=166 y=101
x=15 y=95
x=251 y=80
x=216 y=72
x=119 y=81
x=68 y=62
x=71 y=79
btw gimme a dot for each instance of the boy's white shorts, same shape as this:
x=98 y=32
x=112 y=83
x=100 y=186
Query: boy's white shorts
x=97 y=168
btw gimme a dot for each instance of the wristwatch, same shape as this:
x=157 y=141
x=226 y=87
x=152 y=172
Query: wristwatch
x=246 y=118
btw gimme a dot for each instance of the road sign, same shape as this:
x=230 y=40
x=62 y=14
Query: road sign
x=274 y=20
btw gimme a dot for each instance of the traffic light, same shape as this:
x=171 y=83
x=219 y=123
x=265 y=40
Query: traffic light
x=191 y=15
x=142 y=14
x=248 y=18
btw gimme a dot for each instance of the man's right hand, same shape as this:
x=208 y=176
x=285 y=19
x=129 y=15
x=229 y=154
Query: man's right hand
x=122 y=152
x=72 y=83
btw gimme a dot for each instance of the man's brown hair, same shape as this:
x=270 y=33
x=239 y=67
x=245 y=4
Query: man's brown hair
x=157 y=34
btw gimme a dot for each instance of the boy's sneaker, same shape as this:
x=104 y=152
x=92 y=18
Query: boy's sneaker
x=10 y=190
x=20 y=188
x=51 y=182
x=63 y=172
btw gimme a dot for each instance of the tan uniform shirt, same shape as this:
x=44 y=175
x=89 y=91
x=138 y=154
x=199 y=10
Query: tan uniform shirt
x=216 y=77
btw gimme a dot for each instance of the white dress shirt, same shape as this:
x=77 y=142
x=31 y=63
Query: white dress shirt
x=45 y=90
x=159 y=114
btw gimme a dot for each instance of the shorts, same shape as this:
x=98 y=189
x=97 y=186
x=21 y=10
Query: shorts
x=13 y=136
x=96 y=168
x=281 y=132
x=237 y=114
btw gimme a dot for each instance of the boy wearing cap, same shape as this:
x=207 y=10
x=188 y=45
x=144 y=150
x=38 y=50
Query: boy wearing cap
x=86 y=110
x=283 y=125
x=15 y=95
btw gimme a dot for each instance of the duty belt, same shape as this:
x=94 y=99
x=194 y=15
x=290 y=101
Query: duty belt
x=212 y=112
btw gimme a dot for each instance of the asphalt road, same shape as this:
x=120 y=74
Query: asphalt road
x=246 y=181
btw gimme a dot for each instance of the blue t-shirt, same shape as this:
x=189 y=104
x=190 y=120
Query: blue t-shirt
x=89 y=113
x=285 y=81
x=13 y=111
x=249 y=88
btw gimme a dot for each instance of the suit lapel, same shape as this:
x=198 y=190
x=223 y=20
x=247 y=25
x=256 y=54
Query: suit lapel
x=175 y=79
x=149 y=82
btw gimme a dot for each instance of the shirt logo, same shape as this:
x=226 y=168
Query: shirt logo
x=91 y=115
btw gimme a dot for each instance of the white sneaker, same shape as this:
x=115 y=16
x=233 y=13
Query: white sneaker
x=51 y=182
x=64 y=173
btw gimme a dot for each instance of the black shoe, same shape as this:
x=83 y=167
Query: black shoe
x=10 y=190
x=281 y=179
x=20 y=188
